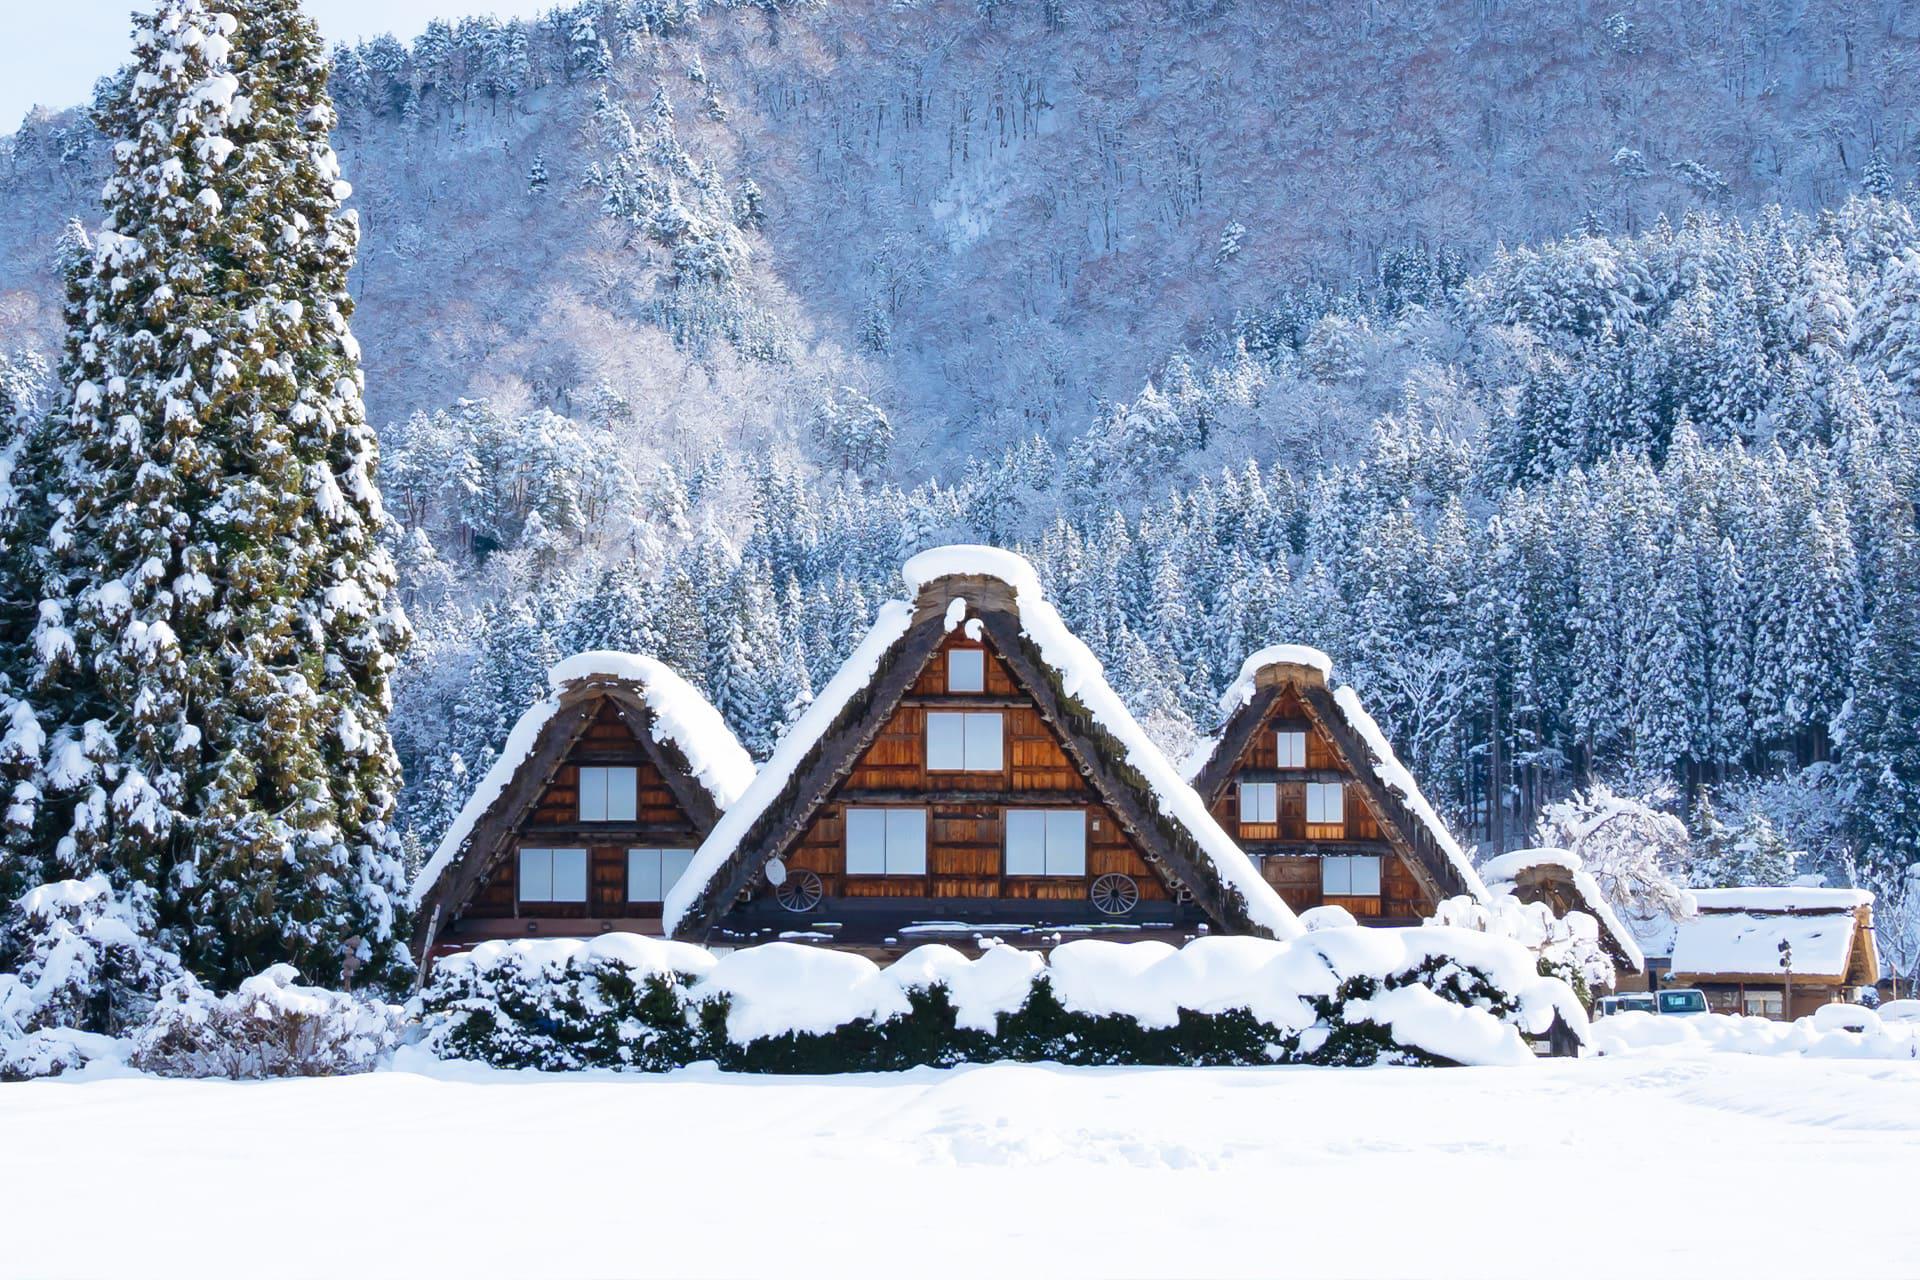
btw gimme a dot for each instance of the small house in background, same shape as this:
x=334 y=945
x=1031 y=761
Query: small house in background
x=590 y=814
x=1302 y=777
x=967 y=774
x=1732 y=949
x=1558 y=879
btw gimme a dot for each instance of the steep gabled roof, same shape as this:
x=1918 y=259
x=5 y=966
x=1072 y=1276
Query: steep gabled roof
x=993 y=592
x=1524 y=872
x=1737 y=932
x=697 y=756
x=1412 y=827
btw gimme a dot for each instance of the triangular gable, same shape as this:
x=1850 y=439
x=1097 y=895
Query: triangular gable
x=696 y=756
x=1408 y=822
x=995 y=591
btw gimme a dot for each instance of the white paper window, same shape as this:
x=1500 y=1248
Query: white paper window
x=886 y=842
x=964 y=741
x=609 y=794
x=1292 y=744
x=966 y=671
x=553 y=875
x=1259 y=802
x=651 y=872
x=1046 y=842
x=1354 y=877
x=1326 y=802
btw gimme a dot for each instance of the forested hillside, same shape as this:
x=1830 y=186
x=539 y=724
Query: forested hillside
x=1556 y=368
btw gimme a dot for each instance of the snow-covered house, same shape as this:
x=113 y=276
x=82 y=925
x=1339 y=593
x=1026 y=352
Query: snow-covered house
x=969 y=771
x=591 y=812
x=1303 y=778
x=1731 y=949
x=1559 y=879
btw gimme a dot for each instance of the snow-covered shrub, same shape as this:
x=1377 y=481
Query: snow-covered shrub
x=1567 y=947
x=618 y=1000
x=1342 y=996
x=271 y=1026
x=82 y=958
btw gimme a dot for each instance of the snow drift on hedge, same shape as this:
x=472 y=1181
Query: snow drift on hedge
x=1832 y=1031
x=270 y=1026
x=1360 y=995
x=681 y=716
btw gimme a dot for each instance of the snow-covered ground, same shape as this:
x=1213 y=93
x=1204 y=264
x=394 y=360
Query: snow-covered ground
x=1657 y=1164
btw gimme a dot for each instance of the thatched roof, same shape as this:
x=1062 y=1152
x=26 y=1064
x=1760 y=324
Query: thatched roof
x=996 y=592
x=1412 y=827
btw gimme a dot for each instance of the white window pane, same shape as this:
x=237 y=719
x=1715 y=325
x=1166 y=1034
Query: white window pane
x=1026 y=842
x=866 y=842
x=643 y=875
x=946 y=740
x=536 y=875
x=1325 y=802
x=966 y=671
x=906 y=842
x=593 y=795
x=1249 y=802
x=1365 y=873
x=1067 y=843
x=1334 y=876
x=569 y=875
x=673 y=865
x=1293 y=750
x=983 y=741
x=623 y=794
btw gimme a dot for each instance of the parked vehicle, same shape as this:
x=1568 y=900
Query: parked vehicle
x=1684 y=1002
x=1629 y=1002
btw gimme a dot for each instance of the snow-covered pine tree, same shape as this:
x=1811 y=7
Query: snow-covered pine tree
x=220 y=627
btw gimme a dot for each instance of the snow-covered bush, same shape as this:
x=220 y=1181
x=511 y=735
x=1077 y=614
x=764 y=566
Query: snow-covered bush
x=81 y=957
x=1340 y=996
x=1567 y=947
x=271 y=1026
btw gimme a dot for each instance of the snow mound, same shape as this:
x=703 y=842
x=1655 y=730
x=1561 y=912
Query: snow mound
x=1833 y=1031
x=1790 y=898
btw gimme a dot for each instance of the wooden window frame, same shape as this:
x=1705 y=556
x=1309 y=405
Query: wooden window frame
x=886 y=869
x=520 y=876
x=1280 y=753
x=1046 y=840
x=974 y=651
x=1346 y=860
x=606 y=810
x=665 y=887
x=1272 y=793
x=966 y=718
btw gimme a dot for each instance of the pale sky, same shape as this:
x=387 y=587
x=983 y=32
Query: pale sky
x=54 y=50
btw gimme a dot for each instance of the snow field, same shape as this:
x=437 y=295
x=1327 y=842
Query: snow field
x=1483 y=1172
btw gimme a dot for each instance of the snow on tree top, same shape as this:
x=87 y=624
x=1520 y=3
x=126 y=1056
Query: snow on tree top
x=1240 y=692
x=678 y=715
x=1081 y=677
x=1791 y=898
x=1508 y=867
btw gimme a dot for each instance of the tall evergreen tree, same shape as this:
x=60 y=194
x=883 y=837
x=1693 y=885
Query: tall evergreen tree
x=219 y=624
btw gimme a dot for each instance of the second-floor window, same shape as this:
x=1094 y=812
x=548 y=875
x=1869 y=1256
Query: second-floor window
x=964 y=741
x=1291 y=747
x=608 y=794
x=966 y=671
x=1259 y=802
x=1326 y=804
x=886 y=842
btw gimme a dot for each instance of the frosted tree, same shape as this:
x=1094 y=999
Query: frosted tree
x=1633 y=848
x=220 y=624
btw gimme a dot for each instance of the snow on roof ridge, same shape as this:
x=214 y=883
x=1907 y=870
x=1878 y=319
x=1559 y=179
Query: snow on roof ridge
x=1081 y=677
x=964 y=559
x=1507 y=867
x=1756 y=897
x=681 y=715
x=1240 y=692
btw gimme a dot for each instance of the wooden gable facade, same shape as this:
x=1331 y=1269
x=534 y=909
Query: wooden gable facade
x=959 y=794
x=1293 y=781
x=585 y=834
